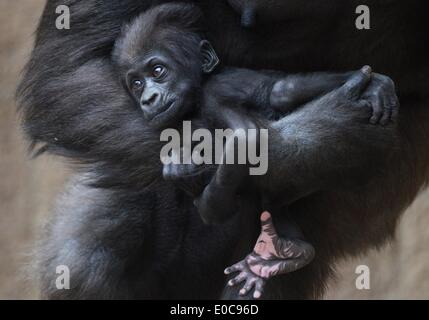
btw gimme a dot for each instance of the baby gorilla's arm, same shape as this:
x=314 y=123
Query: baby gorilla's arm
x=268 y=90
x=273 y=255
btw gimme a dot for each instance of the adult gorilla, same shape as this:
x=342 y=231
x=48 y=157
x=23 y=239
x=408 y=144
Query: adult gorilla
x=136 y=236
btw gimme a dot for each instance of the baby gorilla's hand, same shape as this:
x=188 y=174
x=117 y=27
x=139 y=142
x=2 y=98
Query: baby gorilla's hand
x=185 y=174
x=272 y=256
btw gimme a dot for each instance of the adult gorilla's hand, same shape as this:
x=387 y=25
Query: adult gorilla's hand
x=381 y=94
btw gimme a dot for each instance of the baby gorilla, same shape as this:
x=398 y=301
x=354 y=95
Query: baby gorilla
x=164 y=63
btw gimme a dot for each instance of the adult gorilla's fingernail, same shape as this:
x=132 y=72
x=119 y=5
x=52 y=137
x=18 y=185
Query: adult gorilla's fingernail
x=257 y=295
x=226 y=271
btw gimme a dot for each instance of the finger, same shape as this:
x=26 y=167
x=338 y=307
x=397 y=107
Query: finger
x=387 y=115
x=265 y=272
x=265 y=216
x=235 y=268
x=357 y=83
x=250 y=283
x=377 y=110
x=259 y=289
x=395 y=109
x=238 y=279
x=364 y=104
x=196 y=203
x=267 y=225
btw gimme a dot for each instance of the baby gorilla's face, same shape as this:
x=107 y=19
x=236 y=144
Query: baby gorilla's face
x=161 y=58
x=161 y=87
x=164 y=83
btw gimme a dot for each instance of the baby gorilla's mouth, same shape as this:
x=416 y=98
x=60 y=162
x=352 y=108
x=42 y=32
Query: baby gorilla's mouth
x=151 y=112
x=164 y=112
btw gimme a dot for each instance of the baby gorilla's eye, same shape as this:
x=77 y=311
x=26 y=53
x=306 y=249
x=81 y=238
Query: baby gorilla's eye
x=158 y=71
x=136 y=84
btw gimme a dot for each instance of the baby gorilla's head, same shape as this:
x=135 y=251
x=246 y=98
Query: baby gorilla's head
x=161 y=57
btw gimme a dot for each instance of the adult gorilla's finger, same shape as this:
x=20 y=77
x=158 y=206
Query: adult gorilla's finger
x=236 y=267
x=394 y=101
x=259 y=289
x=387 y=115
x=238 y=279
x=250 y=283
x=363 y=104
x=267 y=225
x=357 y=83
x=377 y=109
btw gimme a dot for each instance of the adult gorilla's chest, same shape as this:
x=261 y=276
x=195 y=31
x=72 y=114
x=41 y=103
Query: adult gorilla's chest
x=291 y=45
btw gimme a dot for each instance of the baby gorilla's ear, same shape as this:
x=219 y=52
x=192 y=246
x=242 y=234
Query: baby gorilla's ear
x=209 y=56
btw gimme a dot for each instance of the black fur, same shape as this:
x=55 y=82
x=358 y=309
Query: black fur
x=139 y=237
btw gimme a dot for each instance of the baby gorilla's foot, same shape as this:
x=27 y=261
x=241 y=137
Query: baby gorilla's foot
x=381 y=96
x=272 y=256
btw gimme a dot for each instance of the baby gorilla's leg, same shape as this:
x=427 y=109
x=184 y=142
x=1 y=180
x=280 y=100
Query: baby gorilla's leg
x=273 y=255
x=291 y=91
x=219 y=201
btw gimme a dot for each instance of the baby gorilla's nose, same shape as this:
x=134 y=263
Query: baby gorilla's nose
x=149 y=99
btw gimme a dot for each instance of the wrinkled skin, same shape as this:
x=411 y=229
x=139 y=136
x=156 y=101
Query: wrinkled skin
x=272 y=256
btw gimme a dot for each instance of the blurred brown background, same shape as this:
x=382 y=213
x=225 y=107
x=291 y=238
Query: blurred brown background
x=28 y=188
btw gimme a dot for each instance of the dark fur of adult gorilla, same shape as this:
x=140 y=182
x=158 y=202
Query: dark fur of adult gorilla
x=126 y=233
